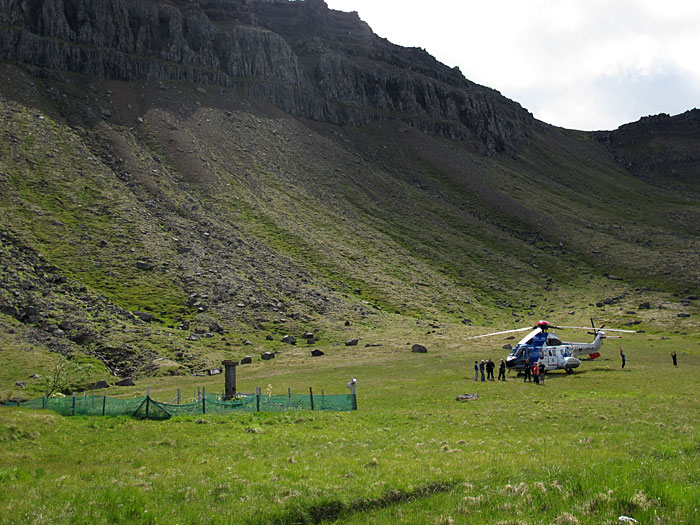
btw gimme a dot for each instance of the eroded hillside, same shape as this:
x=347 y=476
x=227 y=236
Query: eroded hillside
x=157 y=222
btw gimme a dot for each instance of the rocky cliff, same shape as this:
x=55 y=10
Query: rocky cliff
x=301 y=56
x=660 y=148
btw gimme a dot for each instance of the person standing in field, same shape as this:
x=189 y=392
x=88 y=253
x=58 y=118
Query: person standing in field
x=543 y=369
x=622 y=356
x=481 y=369
x=536 y=373
x=476 y=370
x=673 y=356
x=527 y=371
x=502 y=371
x=489 y=369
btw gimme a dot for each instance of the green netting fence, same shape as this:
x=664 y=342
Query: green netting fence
x=146 y=407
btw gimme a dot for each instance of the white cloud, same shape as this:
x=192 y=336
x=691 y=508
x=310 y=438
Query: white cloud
x=584 y=64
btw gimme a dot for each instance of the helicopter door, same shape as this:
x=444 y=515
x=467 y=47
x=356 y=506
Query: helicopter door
x=552 y=360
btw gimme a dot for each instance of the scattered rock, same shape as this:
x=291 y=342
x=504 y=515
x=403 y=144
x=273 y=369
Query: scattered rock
x=419 y=349
x=194 y=337
x=266 y=356
x=247 y=343
x=352 y=342
x=316 y=352
x=35 y=376
x=100 y=385
x=144 y=265
x=683 y=314
x=347 y=323
x=270 y=337
x=125 y=382
x=146 y=317
x=20 y=384
x=645 y=306
x=246 y=360
x=215 y=327
x=307 y=335
x=214 y=371
x=467 y=397
x=289 y=339
x=507 y=346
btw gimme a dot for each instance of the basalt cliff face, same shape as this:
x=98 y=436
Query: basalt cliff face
x=301 y=56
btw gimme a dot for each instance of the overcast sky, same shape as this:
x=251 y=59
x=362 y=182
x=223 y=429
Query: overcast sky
x=580 y=64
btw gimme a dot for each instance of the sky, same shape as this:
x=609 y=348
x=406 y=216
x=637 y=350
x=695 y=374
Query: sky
x=578 y=64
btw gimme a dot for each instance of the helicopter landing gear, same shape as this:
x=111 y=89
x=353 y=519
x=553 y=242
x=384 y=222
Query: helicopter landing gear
x=569 y=370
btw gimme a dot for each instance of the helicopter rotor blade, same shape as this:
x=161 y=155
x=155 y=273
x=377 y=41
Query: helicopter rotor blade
x=500 y=333
x=597 y=329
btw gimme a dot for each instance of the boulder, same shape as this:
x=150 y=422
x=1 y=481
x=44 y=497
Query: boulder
x=467 y=397
x=246 y=360
x=683 y=314
x=352 y=342
x=215 y=327
x=645 y=306
x=125 y=382
x=507 y=346
x=20 y=384
x=316 y=352
x=289 y=339
x=419 y=349
x=100 y=385
x=146 y=317
x=266 y=356
x=270 y=337
x=144 y=265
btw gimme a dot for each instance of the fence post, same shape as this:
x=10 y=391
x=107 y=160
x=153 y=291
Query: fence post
x=19 y=401
x=104 y=404
x=43 y=401
x=178 y=396
x=289 y=397
x=74 y=394
x=352 y=386
x=148 y=400
x=257 y=396
x=311 y=396
x=204 y=400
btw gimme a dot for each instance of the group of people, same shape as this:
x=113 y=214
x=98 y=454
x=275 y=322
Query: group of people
x=485 y=367
x=488 y=366
x=534 y=372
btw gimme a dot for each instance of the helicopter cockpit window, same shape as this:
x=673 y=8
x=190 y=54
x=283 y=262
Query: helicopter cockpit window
x=553 y=341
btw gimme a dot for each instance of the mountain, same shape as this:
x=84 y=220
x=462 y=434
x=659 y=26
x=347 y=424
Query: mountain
x=183 y=181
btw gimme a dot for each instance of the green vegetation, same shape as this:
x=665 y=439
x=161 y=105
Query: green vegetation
x=581 y=449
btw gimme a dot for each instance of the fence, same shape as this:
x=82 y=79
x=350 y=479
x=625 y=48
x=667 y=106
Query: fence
x=148 y=408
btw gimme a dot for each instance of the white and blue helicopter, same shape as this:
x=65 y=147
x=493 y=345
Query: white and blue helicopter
x=545 y=347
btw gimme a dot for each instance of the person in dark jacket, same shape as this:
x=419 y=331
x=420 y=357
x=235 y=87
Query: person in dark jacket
x=622 y=356
x=673 y=356
x=490 y=365
x=527 y=371
x=476 y=370
x=543 y=369
x=502 y=371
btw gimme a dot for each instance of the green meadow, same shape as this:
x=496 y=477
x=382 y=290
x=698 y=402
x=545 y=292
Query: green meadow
x=584 y=448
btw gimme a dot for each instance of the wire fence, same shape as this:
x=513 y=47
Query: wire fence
x=145 y=407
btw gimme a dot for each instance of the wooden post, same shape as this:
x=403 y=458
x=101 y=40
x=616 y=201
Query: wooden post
x=323 y=398
x=352 y=385
x=178 y=396
x=148 y=400
x=104 y=404
x=204 y=400
x=74 y=395
x=43 y=401
x=289 y=397
x=311 y=396
x=257 y=395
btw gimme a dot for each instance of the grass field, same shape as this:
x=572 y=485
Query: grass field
x=585 y=448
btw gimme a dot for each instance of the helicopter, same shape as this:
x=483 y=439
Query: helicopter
x=541 y=345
